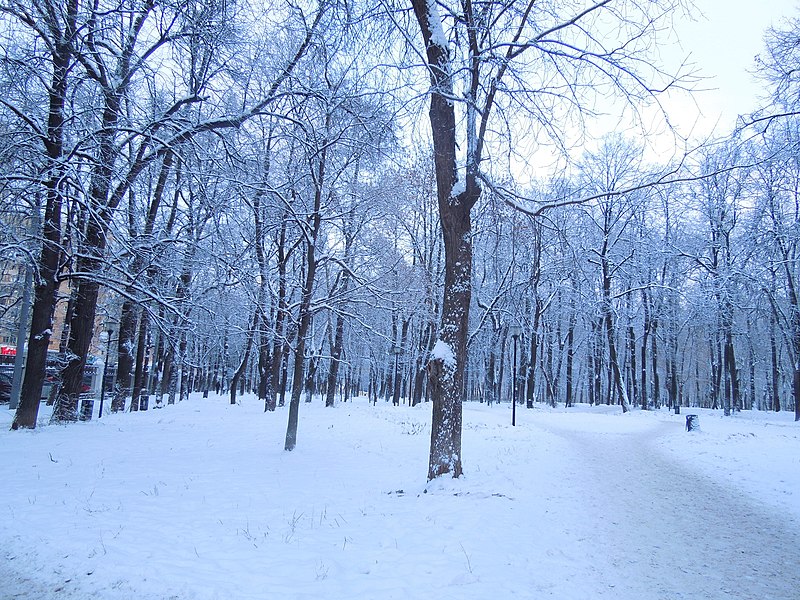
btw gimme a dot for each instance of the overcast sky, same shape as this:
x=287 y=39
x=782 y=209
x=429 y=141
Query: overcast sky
x=723 y=41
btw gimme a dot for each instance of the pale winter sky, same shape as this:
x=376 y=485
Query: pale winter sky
x=722 y=41
x=720 y=38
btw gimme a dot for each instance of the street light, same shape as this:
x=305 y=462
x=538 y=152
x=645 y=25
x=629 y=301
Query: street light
x=105 y=336
x=515 y=331
x=397 y=351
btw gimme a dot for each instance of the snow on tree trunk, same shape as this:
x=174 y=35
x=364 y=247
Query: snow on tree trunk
x=49 y=263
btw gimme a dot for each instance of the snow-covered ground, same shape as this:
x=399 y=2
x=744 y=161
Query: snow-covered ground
x=199 y=501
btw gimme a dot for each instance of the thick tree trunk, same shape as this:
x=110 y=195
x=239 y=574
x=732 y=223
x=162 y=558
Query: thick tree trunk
x=449 y=358
x=46 y=289
x=446 y=368
x=82 y=324
x=125 y=356
x=139 y=368
x=336 y=359
x=92 y=248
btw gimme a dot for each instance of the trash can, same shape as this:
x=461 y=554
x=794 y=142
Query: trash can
x=87 y=407
x=692 y=422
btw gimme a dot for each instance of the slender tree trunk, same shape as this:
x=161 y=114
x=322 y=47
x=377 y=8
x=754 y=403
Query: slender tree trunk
x=548 y=370
x=674 y=384
x=570 y=355
x=311 y=376
x=796 y=374
x=534 y=349
x=774 y=372
x=167 y=372
x=491 y=384
x=266 y=383
x=732 y=373
x=796 y=390
x=280 y=345
x=715 y=373
x=248 y=345
x=608 y=317
x=284 y=375
x=634 y=396
x=597 y=327
x=590 y=366
x=305 y=314
x=139 y=374
x=425 y=345
x=654 y=363
x=645 y=340
x=796 y=361
x=300 y=350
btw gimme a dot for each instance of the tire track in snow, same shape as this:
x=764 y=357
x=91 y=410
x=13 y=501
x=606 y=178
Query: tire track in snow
x=661 y=531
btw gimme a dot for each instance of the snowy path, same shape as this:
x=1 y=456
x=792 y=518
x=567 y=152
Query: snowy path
x=662 y=531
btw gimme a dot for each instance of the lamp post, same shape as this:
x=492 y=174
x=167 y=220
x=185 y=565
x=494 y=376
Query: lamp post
x=105 y=336
x=397 y=351
x=515 y=331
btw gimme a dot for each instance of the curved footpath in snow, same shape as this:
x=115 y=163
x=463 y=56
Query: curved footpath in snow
x=661 y=530
x=199 y=502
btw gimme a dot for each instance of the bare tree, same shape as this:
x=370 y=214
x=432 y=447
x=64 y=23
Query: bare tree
x=482 y=59
x=778 y=189
x=108 y=55
x=54 y=26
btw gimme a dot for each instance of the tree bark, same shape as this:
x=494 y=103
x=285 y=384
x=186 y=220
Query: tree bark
x=570 y=355
x=125 y=358
x=645 y=341
x=338 y=337
x=305 y=315
x=446 y=376
x=775 y=397
x=46 y=289
x=608 y=318
x=248 y=345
